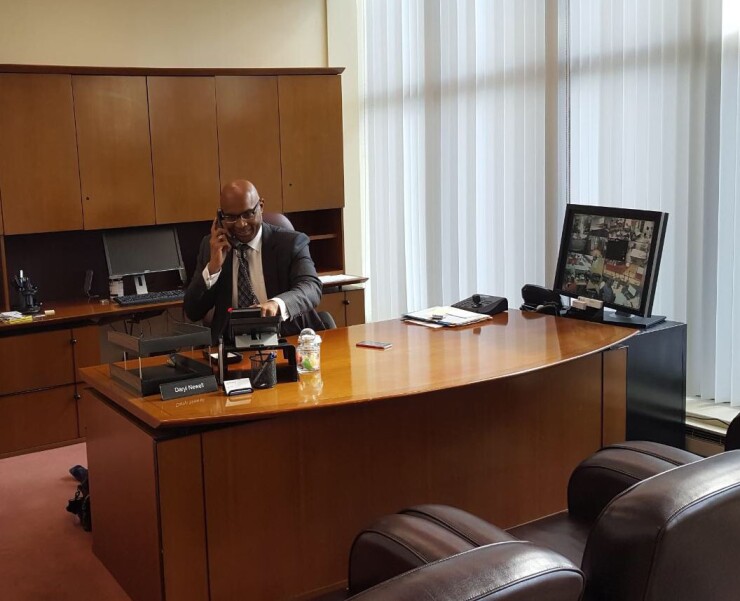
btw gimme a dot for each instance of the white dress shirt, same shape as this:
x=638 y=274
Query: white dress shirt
x=257 y=277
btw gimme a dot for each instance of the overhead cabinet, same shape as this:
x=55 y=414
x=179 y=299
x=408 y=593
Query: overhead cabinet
x=39 y=175
x=311 y=142
x=249 y=134
x=182 y=117
x=112 y=119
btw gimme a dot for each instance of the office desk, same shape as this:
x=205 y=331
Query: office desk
x=258 y=497
x=73 y=313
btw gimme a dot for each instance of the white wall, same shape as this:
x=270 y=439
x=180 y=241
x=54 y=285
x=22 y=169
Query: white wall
x=164 y=33
x=344 y=51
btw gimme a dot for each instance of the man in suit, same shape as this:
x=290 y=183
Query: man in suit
x=247 y=263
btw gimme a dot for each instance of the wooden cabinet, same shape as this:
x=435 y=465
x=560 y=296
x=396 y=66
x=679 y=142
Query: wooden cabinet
x=347 y=306
x=656 y=384
x=182 y=117
x=249 y=134
x=34 y=361
x=324 y=228
x=36 y=419
x=112 y=119
x=39 y=176
x=40 y=390
x=311 y=142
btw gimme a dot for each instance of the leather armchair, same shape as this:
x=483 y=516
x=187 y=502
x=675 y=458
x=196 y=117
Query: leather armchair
x=506 y=571
x=671 y=536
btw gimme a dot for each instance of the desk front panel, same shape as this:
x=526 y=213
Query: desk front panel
x=285 y=497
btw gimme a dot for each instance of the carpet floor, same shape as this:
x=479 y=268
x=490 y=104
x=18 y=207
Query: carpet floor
x=44 y=552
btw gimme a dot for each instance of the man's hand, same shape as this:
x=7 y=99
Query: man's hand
x=220 y=247
x=269 y=309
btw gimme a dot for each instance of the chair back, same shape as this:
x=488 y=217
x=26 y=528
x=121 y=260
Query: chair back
x=278 y=219
x=732 y=439
x=675 y=536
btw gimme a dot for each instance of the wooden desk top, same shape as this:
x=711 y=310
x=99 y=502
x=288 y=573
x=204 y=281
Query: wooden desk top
x=421 y=360
x=81 y=311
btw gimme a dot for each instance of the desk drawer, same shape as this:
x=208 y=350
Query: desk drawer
x=37 y=418
x=33 y=361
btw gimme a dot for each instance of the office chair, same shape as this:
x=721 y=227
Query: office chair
x=282 y=221
x=278 y=219
x=674 y=536
x=327 y=320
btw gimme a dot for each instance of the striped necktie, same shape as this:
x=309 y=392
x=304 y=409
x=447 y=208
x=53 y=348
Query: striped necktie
x=247 y=297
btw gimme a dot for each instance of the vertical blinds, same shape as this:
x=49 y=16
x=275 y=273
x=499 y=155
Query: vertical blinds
x=455 y=137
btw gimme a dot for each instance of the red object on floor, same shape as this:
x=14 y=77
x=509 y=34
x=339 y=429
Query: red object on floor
x=44 y=552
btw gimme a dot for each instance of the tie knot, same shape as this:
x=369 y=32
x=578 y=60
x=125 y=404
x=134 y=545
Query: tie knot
x=243 y=250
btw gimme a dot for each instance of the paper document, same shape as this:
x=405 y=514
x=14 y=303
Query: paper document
x=446 y=316
x=338 y=279
x=15 y=317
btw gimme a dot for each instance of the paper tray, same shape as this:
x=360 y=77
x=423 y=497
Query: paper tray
x=147 y=381
x=181 y=335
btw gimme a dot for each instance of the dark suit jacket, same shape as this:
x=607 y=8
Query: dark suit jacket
x=289 y=274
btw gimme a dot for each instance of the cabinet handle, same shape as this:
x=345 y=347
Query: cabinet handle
x=78 y=396
x=345 y=302
x=73 y=341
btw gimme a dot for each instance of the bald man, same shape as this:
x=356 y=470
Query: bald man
x=247 y=263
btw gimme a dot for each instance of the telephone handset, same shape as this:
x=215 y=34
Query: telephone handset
x=229 y=238
x=540 y=299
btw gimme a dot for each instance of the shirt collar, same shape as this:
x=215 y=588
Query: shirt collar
x=256 y=242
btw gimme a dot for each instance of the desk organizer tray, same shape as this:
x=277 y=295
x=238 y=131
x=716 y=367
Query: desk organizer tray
x=180 y=335
x=146 y=379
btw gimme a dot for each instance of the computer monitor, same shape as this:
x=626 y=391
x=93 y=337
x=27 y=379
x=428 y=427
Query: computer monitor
x=138 y=251
x=612 y=254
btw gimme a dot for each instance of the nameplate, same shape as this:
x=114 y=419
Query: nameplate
x=177 y=390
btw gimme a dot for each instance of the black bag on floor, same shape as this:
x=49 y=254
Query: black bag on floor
x=80 y=505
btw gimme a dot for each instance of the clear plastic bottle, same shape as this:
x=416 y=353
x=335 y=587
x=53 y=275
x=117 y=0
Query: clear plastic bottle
x=308 y=351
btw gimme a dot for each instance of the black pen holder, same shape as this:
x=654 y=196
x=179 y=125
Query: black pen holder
x=263 y=372
x=26 y=300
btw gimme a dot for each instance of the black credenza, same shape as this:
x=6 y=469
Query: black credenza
x=656 y=384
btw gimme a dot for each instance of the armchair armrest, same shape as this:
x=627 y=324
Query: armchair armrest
x=512 y=570
x=614 y=469
x=400 y=542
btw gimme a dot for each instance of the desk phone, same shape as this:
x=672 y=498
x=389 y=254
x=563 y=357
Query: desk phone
x=481 y=303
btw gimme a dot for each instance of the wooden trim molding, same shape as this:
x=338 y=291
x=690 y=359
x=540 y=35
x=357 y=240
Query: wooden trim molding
x=85 y=70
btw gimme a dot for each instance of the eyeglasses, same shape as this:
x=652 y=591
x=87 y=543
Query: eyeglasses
x=245 y=216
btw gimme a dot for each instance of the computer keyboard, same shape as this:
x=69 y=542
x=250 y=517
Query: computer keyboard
x=150 y=297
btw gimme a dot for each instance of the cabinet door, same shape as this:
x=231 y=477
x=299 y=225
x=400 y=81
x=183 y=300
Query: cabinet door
x=39 y=176
x=354 y=306
x=115 y=154
x=34 y=361
x=347 y=307
x=37 y=418
x=333 y=302
x=182 y=116
x=86 y=347
x=311 y=142
x=249 y=134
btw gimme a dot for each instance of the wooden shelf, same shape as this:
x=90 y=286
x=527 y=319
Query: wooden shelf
x=323 y=236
